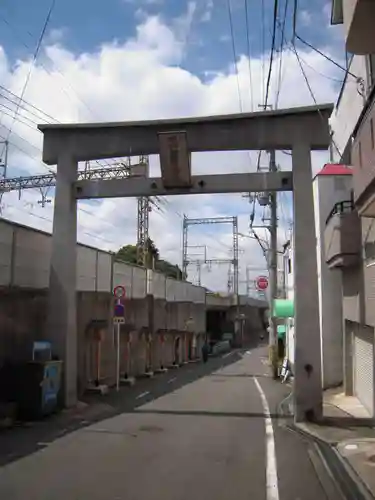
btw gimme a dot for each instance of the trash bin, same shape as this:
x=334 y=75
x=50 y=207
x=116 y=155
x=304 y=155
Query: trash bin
x=38 y=385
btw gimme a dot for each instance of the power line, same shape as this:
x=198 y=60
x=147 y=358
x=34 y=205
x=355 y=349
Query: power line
x=295 y=9
x=249 y=53
x=279 y=80
x=234 y=53
x=327 y=57
x=36 y=53
x=263 y=35
x=315 y=70
x=313 y=95
x=275 y=10
x=24 y=108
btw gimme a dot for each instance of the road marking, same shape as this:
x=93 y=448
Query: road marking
x=142 y=395
x=227 y=354
x=248 y=352
x=172 y=380
x=271 y=467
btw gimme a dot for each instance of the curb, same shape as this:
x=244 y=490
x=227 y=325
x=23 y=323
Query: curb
x=346 y=478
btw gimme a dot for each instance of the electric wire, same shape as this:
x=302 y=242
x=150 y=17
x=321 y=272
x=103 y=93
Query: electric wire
x=34 y=59
x=234 y=54
x=313 y=95
x=249 y=54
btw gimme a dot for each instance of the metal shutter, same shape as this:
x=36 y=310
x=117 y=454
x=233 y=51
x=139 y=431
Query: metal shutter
x=363 y=366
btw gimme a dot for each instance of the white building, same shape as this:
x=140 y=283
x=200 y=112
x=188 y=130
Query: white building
x=331 y=185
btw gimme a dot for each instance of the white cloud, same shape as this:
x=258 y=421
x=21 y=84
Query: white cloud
x=305 y=17
x=142 y=79
x=207 y=12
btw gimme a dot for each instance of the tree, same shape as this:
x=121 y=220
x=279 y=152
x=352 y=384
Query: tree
x=128 y=253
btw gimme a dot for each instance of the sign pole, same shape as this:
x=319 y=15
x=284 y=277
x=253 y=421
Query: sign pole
x=118 y=320
x=128 y=367
x=117 y=343
x=118 y=326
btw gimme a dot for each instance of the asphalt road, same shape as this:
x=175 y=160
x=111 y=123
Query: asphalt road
x=206 y=432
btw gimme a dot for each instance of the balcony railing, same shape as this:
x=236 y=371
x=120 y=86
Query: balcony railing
x=342 y=236
x=341 y=207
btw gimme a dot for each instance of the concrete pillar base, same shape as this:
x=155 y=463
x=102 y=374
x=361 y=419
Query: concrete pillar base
x=127 y=381
x=146 y=375
x=101 y=389
x=161 y=370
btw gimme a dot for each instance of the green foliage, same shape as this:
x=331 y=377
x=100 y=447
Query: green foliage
x=128 y=253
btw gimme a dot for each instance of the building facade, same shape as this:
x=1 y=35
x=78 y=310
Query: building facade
x=331 y=185
x=350 y=228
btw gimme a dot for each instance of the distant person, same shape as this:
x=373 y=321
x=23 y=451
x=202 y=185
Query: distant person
x=205 y=352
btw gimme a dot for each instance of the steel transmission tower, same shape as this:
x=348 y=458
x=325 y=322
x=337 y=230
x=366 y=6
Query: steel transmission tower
x=144 y=209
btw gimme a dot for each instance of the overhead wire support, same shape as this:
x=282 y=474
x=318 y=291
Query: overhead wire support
x=120 y=171
x=212 y=220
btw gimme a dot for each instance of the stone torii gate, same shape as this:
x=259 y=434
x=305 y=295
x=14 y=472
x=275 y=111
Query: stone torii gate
x=297 y=129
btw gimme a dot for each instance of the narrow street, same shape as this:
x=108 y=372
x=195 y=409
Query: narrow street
x=206 y=440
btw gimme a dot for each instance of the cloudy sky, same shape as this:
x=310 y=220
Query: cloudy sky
x=148 y=59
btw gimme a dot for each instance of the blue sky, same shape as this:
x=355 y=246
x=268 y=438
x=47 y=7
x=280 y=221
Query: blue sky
x=84 y=25
x=168 y=83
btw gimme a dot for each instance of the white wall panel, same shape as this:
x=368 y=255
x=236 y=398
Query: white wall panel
x=104 y=271
x=196 y=294
x=86 y=269
x=139 y=283
x=171 y=290
x=32 y=254
x=122 y=275
x=158 y=285
x=32 y=260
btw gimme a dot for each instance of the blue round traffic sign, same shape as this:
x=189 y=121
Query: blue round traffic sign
x=119 y=310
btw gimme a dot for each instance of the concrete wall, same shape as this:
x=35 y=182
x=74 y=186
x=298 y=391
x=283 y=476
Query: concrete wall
x=328 y=190
x=25 y=257
x=24 y=278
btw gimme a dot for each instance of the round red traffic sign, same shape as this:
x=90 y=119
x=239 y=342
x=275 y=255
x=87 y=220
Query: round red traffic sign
x=119 y=291
x=262 y=282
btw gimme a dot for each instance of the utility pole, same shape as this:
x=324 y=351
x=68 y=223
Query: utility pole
x=199 y=270
x=247 y=281
x=273 y=272
x=4 y=160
